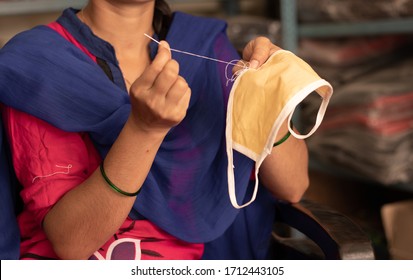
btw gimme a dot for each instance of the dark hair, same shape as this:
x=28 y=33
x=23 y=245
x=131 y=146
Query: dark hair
x=162 y=18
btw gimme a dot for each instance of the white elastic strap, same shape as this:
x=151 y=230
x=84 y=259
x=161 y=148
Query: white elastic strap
x=320 y=115
x=230 y=170
x=231 y=188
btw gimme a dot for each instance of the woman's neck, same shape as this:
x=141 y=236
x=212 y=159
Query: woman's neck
x=123 y=25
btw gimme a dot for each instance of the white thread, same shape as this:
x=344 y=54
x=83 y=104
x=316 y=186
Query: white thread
x=232 y=62
x=245 y=66
x=57 y=172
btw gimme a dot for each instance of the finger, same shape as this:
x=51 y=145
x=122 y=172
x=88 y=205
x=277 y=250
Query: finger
x=163 y=50
x=258 y=51
x=179 y=95
x=183 y=103
x=240 y=66
x=148 y=77
x=177 y=92
x=166 y=78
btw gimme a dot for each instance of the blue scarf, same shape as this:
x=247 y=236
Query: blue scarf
x=185 y=192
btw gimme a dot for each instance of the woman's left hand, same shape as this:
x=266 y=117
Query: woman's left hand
x=258 y=50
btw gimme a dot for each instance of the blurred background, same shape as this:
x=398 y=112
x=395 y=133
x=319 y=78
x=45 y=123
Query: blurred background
x=361 y=160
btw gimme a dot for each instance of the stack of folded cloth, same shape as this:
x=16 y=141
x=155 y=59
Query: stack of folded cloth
x=352 y=10
x=368 y=126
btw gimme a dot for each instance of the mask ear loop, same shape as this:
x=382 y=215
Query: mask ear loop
x=228 y=133
x=320 y=115
x=231 y=189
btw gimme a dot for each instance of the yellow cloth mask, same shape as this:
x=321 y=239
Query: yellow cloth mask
x=260 y=101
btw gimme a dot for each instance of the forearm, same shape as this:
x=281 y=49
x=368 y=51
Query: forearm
x=88 y=215
x=285 y=171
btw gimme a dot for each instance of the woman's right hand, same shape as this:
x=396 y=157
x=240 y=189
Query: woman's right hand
x=159 y=97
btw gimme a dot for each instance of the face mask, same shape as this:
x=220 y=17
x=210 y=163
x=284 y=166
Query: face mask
x=260 y=101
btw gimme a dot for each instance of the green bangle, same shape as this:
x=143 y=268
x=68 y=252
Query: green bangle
x=282 y=140
x=112 y=185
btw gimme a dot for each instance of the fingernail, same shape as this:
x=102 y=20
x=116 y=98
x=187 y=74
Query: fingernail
x=254 y=64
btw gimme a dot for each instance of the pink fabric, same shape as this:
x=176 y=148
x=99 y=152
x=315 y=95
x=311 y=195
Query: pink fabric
x=384 y=115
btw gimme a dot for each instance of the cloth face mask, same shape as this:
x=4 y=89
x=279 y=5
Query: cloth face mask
x=260 y=101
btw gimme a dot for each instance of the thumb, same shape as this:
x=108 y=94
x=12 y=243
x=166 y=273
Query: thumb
x=164 y=48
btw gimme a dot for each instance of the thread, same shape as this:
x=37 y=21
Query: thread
x=57 y=172
x=235 y=75
x=194 y=54
x=244 y=66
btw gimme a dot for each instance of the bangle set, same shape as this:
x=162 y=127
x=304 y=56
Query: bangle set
x=113 y=186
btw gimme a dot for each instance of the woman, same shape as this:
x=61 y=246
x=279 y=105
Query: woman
x=120 y=148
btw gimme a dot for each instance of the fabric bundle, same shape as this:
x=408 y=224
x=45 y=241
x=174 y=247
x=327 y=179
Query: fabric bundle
x=368 y=128
x=352 y=10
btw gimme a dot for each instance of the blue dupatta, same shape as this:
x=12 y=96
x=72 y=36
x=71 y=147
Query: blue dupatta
x=185 y=192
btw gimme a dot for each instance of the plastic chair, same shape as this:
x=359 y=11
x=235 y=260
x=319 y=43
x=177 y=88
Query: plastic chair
x=323 y=234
